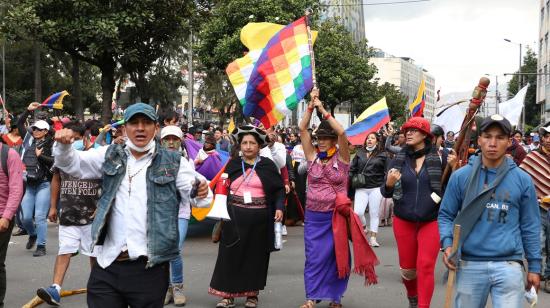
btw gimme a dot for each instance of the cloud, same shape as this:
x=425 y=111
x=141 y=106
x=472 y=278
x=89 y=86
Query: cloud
x=456 y=41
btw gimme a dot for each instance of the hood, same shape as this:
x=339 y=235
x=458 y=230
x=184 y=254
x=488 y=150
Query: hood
x=508 y=161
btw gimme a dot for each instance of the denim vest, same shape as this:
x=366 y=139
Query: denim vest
x=162 y=201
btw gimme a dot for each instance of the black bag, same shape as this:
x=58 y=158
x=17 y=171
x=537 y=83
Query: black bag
x=359 y=180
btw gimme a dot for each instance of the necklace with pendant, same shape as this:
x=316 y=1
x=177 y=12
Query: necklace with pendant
x=131 y=176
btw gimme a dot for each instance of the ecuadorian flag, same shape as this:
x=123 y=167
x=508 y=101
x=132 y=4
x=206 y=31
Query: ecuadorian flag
x=371 y=120
x=417 y=106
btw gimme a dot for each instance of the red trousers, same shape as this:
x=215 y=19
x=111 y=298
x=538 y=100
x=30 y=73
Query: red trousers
x=418 y=248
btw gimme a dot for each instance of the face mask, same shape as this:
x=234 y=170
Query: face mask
x=176 y=144
x=371 y=148
x=146 y=148
x=78 y=145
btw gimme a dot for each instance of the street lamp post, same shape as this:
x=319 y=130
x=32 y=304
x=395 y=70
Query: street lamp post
x=520 y=78
x=497 y=94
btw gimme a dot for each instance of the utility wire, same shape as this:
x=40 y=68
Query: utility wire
x=376 y=3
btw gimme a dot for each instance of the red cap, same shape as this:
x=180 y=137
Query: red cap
x=419 y=123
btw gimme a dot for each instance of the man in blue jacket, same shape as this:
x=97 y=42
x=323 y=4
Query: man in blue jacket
x=495 y=203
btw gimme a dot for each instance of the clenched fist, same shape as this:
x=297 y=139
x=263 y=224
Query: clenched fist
x=393 y=176
x=64 y=136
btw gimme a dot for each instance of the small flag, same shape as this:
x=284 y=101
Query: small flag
x=511 y=109
x=231 y=126
x=417 y=106
x=371 y=120
x=55 y=100
x=117 y=123
x=276 y=73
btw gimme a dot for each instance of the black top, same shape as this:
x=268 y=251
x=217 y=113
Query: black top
x=374 y=168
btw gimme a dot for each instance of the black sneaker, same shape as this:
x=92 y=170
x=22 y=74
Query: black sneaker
x=40 y=251
x=31 y=242
x=20 y=232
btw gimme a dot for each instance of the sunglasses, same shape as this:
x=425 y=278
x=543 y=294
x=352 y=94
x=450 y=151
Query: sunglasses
x=38 y=129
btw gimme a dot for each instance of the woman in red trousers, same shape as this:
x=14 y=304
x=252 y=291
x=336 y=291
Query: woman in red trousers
x=414 y=183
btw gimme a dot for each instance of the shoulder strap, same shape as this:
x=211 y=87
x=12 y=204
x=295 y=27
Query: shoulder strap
x=4 y=158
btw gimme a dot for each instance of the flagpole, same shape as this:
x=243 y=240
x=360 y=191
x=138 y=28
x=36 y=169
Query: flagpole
x=310 y=45
x=312 y=56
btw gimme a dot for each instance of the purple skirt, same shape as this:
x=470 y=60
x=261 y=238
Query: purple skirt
x=320 y=272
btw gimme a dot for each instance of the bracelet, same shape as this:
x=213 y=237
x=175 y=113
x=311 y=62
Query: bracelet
x=327 y=116
x=310 y=109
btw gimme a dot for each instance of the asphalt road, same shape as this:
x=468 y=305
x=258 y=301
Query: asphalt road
x=285 y=286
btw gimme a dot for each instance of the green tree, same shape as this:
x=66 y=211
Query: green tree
x=342 y=67
x=532 y=110
x=55 y=73
x=219 y=33
x=215 y=90
x=132 y=34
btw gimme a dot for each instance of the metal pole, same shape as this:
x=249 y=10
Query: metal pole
x=190 y=85
x=3 y=75
x=497 y=97
x=3 y=71
x=520 y=81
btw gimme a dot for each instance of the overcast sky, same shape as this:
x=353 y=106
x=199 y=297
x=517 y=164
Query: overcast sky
x=457 y=41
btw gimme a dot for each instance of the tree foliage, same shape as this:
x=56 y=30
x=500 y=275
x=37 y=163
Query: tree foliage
x=532 y=110
x=342 y=68
x=131 y=34
x=219 y=33
x=56 y=76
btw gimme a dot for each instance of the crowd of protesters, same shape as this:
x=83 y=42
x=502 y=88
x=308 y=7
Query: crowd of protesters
x=105 y=184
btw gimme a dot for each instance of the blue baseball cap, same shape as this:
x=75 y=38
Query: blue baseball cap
x=140 y=108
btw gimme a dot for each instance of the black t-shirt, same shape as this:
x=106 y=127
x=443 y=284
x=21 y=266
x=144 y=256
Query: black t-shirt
x=77 y=200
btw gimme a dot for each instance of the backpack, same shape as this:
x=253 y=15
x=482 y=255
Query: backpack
x=4 y=158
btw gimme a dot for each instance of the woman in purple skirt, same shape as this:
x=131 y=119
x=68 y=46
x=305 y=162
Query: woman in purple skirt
x=328 y=168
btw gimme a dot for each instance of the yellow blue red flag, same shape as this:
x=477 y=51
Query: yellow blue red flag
x=416 y=108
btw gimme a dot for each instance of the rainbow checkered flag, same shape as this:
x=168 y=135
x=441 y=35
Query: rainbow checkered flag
x=276 y=73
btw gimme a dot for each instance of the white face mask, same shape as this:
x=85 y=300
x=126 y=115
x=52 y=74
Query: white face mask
x=370 y=149
x=146 y=148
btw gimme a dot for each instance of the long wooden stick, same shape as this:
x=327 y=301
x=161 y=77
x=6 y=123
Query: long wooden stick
x=312 y=56
x=310 y=44
x=452 y=273
x=463 y=142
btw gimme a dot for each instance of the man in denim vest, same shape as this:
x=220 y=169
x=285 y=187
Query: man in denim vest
x=136 y=222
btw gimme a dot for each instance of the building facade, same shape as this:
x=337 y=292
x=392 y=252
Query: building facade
x=543 y=65
x=351 y=14
x=407 y=76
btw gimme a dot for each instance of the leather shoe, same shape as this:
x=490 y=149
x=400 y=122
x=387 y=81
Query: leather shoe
x=31 y=242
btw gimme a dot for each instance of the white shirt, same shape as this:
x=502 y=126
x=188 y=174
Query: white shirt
x=127 y=225
x=278 y=152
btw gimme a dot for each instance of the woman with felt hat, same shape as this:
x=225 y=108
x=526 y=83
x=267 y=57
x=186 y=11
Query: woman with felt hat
x=255 y=202
x=325 y=274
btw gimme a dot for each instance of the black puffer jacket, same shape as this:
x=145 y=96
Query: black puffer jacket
x=374 y=168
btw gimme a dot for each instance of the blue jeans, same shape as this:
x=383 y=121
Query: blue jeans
x=545 y=242
x=36 y=204
x=475 y=280
x=176 y=265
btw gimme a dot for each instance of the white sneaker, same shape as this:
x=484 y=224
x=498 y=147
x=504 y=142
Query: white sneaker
x=373 y=242
x=283 y=231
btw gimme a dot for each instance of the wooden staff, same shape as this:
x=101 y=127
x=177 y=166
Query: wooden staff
x=36 y=301
x=452 y=273
x=312 y=55
x=310 y=45
x=462 y=144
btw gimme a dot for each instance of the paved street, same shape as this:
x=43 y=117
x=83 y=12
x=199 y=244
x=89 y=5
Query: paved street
x=284 y=286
